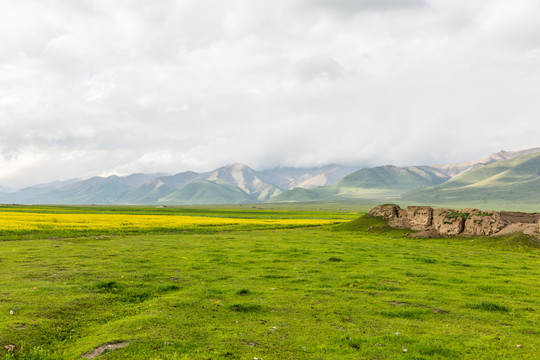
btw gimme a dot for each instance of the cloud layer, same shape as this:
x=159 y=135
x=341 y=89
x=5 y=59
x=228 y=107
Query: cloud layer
x=99 y=87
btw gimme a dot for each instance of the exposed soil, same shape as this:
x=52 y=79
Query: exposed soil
x=519 y=217
x=99 y=350
x=430 y=222
x=527 y=229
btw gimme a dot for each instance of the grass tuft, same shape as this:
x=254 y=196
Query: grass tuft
x=489 y=306
x=243 y=292
x=108 y=287
x=335 y=259
x=246 y=308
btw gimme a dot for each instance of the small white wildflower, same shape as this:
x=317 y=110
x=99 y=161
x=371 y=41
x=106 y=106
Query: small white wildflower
x=11 y=312
x=398 y=333
x=404 y=350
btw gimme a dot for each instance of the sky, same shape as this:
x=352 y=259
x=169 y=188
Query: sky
x=102 y=87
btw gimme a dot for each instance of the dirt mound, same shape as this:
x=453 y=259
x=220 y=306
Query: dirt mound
x=450 y=222
x=527 y=229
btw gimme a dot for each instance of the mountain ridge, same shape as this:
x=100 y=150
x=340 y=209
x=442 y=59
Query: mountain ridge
x=239 y=183
x=511 y=181
x=453 y=170
x=255 y=186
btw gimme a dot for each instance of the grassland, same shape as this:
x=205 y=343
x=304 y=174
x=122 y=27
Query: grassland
x=354 y=290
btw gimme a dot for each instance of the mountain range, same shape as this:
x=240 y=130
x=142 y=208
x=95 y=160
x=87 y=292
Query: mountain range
x=502 y=178
x=393 y=182
x=231 y=184
x=514 y=182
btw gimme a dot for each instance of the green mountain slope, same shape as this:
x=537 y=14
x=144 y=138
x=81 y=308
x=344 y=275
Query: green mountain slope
x=153 y=190
x=393 y=177
x=206 y=192
x=371 y=183
x=508 y=182
x=301 y=195
x=96 y=190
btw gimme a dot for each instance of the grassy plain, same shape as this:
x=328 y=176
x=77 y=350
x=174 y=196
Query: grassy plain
x=355 y=290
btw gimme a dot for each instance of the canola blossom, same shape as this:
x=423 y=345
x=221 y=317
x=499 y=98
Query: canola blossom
x=31 y=223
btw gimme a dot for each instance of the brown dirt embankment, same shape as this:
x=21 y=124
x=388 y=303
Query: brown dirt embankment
x=449 y=222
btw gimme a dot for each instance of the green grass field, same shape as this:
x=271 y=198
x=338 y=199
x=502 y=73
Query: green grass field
x=357 y=290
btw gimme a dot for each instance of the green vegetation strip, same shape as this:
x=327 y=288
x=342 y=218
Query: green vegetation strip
x=312 y=211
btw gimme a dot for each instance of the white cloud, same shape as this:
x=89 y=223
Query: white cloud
x=102 y=87
x=513 y=24
x=354 y=6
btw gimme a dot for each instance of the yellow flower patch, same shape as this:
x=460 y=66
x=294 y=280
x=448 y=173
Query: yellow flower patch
x=21 y=222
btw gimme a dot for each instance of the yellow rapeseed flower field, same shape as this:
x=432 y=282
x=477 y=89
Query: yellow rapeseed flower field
x=71 y=224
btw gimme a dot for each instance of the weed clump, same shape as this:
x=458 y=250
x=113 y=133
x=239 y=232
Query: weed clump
x=108 y=287
x=135 y=293
x=243 y=292
x=489 y=306
x=246 y=308
x=335 y=259
x=454 y=215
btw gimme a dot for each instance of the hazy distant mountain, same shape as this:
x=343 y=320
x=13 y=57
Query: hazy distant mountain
x=393 y=177
x=514 y=181
x=288 y=177
x=391 y=182
x=151 y=191
x=240 y=175
x=165 y=189
x=56 y=184
x=4 y=189
x=257 y=186
x=378 y=182
x=30 y=194
x=207 y=192
x=453 y=170
x=492 y=177
x=251 y=186
x=96 y=190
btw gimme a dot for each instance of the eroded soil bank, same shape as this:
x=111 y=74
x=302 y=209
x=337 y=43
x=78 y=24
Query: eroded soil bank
x=450 y=222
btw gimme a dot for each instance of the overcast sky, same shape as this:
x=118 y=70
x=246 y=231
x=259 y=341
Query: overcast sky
x=120 y=86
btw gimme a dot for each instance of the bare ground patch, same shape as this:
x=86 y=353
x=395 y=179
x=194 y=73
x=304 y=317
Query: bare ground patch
x=110 y=347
